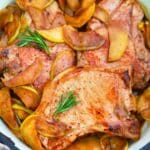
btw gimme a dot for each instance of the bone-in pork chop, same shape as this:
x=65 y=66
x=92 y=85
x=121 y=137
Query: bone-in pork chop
x=136 y=55
x=104 y=105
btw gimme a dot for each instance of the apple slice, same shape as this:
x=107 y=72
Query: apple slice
x=28 y=95
x=112 y=142
x=82 y=40
x=84 y=4
x=6 y=111
x=118 y=40
x=85 y=143
x=21 y=111
x=47 y=129
x=143 y=105
x=12 y=29
x=63 y=61
x=62 y=4
x=82 y=18
x=53 y=35
x=29 y=132
x=39 y=4
x=74 y=4
x=6 y=17
x=28 y=76
x=147 y=34
x=102 y=14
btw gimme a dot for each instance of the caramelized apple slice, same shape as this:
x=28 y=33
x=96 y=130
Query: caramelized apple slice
x=84 y=5
x=15 y=10
x=28 y=76
x=53 y=35
x=28 y=96
x=62 y=4
x=12 y=29
x=73 y=4
x=102 y=14
x=144 y=104
x=113 y=143
x=86 y=143
x=29 y=132
x=39 y=20
x=82 y=40
x=21 y=4
x=40 y=4
x=6 y=112
x=82 y=18
x=64 y=60
x=147 y=34
x=6 y=17
x=118 y=41
x=24 y=23
x=50 y=129
x=21 y=111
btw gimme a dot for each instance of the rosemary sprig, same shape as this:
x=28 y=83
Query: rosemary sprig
x=66 y=103
x=30 y=38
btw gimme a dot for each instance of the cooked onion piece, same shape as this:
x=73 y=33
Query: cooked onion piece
x=6 y=111
x=64 y=60
x=144 y=104
x=86 y=143
x=29 y=132
x=28 y=95
x=53 y=35
x=82 y=40
x=40 y=4
x=82 y=18
x=28 y=76
x=114 y=143
x=102 y=14
x=118 y=41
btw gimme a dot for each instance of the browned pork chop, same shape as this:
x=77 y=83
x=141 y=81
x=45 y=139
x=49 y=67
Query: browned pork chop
x=14 y=60
x=136 y=55
x=104 y=105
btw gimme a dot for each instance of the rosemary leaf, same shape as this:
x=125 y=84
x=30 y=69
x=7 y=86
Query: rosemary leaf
x=30 y=38
x=66 y=103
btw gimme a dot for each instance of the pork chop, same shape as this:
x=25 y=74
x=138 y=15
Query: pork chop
x=104 y=105
x=16 y=60
x=136 y=55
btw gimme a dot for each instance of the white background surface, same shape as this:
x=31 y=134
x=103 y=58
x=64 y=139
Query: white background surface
x=145 y=136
